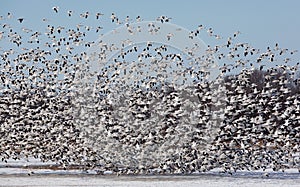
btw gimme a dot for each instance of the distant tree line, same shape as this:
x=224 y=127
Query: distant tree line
x=274 y=79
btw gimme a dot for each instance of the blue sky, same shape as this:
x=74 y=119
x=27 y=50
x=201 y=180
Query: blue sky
x=262 y=23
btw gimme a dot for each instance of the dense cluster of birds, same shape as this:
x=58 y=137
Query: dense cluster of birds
x=131 y=117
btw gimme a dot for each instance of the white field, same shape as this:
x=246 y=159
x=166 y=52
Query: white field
x=18 y=176
x=165 y=181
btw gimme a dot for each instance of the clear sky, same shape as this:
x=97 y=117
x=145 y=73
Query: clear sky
x=261 y=22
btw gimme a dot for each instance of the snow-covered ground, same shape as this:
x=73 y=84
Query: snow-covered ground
x=166 y=181
x=17 y=175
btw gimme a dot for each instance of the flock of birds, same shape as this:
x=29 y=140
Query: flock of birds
x=246 y=120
